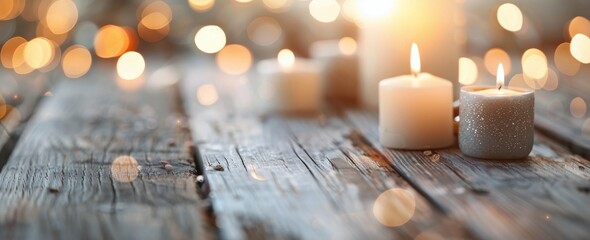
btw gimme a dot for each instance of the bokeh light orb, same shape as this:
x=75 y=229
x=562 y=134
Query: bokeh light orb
x=8 y=49
x=564 y=61
x=580 y=48
x=579 y=25
x=264 y=31
x=234 y=59
x=61 y=16
x=130 y=65
x=111 y=41
x=578 y=107
x=201 y=5
x=510 y=17
x=38 y=53
x=467 y=71
x=347 y=45
x=76 y=61
x=494 y=57
x=324 y=11
x=394 y=207
x=210 y=39
x=207 y=94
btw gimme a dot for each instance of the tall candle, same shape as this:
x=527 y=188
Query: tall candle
x=294 y=83
x=415 y=111
x=495 y=122
x=339 y=64
x=389 y=27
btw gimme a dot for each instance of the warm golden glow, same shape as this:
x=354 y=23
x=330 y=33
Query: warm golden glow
x=111 y=41
x=495 y=56
x=151 y=35
x=500 y=77
x=467 y=71
x=324 y=10
x=394 y=207
x=159 y=7
x=510 y=17
x=76 y=61
x=234 y=59
x=350 y=10
x=286 y=58
x=347 y=46
x=518 y=81
x=564 y=61
x=155 y=21
x=534 y=65
x=415 y=59
x=43 y=31
x=207 y=94
x=201 y=5
x=124 y=169
x=580 y=48
x=552 y=80
x=8 y=49
x=130 y=65
x=210 y=39
x=276 y=5
x=10 y=9
x=38 y=53
x=578 y=25
x=61 y=16
x=578 y=107
x=264 y=31
x=18 y=60
x=375 y=9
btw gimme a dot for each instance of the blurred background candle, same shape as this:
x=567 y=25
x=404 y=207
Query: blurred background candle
x=415 y=111
x=387 y=30
x=339 y=65
x=496 y=123
x=294 y=83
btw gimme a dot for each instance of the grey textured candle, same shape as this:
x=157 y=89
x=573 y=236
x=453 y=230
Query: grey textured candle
x=496 y=125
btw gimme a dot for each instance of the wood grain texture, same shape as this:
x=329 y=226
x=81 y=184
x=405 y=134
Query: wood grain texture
x=542 y=197
x=294 y=177
x=19 y=97
x=553 y=116
x=63 y=180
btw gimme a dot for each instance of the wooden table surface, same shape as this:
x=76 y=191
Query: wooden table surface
x=90 y=164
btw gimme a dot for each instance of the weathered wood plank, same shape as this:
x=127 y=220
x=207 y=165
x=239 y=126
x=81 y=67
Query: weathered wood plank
x=309 y=177
x=542 y=197
x=63 y=180
x=20 y=96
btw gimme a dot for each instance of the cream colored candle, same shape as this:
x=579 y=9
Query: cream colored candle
x=415 y=111
x=292 y=84
x=496 y=123
x=388 y=28
x=339 y=64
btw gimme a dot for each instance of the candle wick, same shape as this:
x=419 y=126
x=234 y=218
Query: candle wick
x=499 y=87
x=415 y=74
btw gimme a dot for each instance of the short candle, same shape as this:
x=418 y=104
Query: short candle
x=496 y=122
x=295 y=83
x=415 y=111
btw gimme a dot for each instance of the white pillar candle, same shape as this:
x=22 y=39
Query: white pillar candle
x=293 y=84
x=496 y=123
x=387 y=30
x=339 y=64
x=415 y=111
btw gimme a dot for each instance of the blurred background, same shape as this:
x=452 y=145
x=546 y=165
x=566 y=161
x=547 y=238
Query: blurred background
x=543 y=45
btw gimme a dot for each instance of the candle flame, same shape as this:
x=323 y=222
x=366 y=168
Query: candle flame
x=415 y=60
x=500 y=77
x=286 y=58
